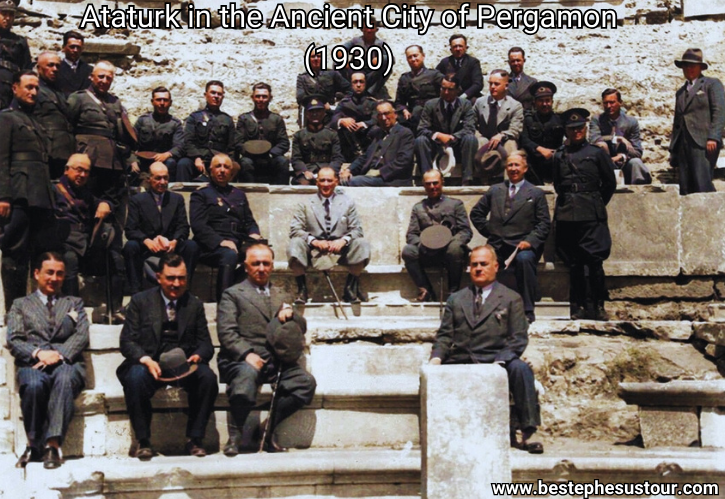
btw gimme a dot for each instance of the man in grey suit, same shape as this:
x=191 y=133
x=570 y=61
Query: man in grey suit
x=485 y=324
x=500 y=120
x=448 y=121
x=248 y=312
x=519 y=222
x=328 y=224
x=519 y=82
x=698 y=125
x=436 y=209
x=618 y=135
x=46 y=334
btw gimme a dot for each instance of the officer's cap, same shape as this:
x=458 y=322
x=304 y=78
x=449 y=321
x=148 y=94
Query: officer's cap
x=575 y=117
x=314 y=102
x=542 y=89
x=9 y=5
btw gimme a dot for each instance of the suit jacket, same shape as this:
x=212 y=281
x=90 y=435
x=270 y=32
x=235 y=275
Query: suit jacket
x=69 y=81
x=499 y=333
x=391 y=153
x=447 y=211
x=30 y=327
x=433 y=119
x=510 y=117
x=309 y=219
x=469 y=75
x=141 y=333
x=519 y=90
x=145 y=221
x=700 y=112
x=242 y=318
x=625 y=126
x=528 y=219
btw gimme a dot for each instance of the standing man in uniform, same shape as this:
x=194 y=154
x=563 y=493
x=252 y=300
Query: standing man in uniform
x=161 y=133
x=14 y=52
x=74 y=73
x=466 y=67
x=249 y=314
x=584 y=182
x=416 y=87
x=543 y=133
x=157 y=224
x=222 y=222
x=354 y=117
x=698 y=125
x=26 y=197
x=207 y=132
x=436 y=209
x=315 y=146
x=519 y=82
x=52 y=113
x=268 y=164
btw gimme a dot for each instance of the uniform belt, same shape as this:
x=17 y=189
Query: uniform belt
x=580 y=188
x=103 y=132
x=9 y=66
x=233 y=227
x=29 y=156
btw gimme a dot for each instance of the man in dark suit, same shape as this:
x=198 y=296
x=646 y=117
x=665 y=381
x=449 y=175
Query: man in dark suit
x=46 y=334
x=519 y=222
x=158 y=321
x=328 y=224
x=436 y=209
x=388 y=160
x=485 y=324
x=519 y=82
x=247 y=313
x=447 y=122
x=467 y=68
x=698 y=125
x=74 y=72
x=157 y=224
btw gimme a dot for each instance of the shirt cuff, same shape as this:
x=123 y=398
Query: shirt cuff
x=310 y=239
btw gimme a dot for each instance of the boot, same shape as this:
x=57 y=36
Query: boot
x=577 y=292
x=599 y=291
x=224 y=280
x=302 y=295
x=350 y=295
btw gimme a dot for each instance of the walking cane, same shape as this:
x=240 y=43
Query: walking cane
x=270 y=414
x=334 y=293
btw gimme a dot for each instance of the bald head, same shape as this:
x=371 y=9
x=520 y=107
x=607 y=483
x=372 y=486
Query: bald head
x=102 y=77
x=158 y=177
x=48 y=66
x=78 y=169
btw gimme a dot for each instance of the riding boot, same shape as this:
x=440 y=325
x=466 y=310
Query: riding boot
x=224 y=280
x=350 y=294
x=302 y=295
x=599 y=291
x=577 y=292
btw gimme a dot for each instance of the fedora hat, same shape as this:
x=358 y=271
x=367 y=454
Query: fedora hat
x=174 y=366
x=691 y=56
x=489 y=162
x=287 y=340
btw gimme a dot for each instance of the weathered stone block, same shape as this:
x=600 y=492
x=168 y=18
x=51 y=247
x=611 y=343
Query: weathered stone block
x=661 y=330
x=464 y=439
x=644 y=233
x=635 y=288
x=7 y=437
x=4 y=403
x=88 y=436
x=669 y=426
x=703 y=234
x=3 y=370
x=712 y=332
x=712 y=427
x=694 y=8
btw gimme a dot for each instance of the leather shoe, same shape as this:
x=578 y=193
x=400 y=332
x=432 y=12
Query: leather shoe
x=231 y=449
x=273 y=447
x=533 y=447
x=194 y=449
x=31 y=455
x=144 y=453
x=51 y=458
x=302 y=297
x=424 y=295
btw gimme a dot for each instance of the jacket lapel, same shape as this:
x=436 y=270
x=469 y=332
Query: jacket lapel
x=167 y=211
x=689 y=96
x=491 y=304
x=469 y=306
x=319 y=211
x=519 y=200
x=152 y=212
x=256 y=299
x=456 y=116
x=158 y=315
x=440 y=115
x=503 y=110
x=41 y=312
x=182 y=314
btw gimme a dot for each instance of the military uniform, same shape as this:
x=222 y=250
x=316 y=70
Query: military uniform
x=362 y=108
x=442 y=211
x=414 y=91
x=14 y=57
x=160 y=135
x=218 y=214
x=326 y=85
x=271 y=167
x=206 y=133
x=540 y=131
x=313 y=150
x=25 y=184
x=51 y=111
x=584 y=182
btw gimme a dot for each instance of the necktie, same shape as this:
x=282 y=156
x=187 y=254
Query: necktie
x=458 y=63
x=478 y=304
x=492 y=122
x=512 y=191
x=263 y=291
x=49 y=304
x=449 y=113
x=328 y=219
x=171 y=311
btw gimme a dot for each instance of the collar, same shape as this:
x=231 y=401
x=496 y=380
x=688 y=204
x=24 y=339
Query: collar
x=518 y=184
x=492 y=101
x=322 y=198
x=16 y=105
x=423 y=68
x=71 y=64
x=161 y=119
x=484 y=291
x=44 y=298
x=166 y=300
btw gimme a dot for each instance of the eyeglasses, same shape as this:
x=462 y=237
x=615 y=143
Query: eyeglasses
x=80 y=169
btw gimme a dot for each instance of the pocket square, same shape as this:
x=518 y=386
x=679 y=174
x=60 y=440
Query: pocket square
x=73 y=315
x=700 y=92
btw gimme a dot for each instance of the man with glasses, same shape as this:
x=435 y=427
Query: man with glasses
x=157 y=224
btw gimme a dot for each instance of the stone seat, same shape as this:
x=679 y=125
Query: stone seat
x=680 y=412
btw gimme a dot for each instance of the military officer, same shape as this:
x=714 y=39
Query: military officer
x=222 y=222
x=76 y=209
x=314 y=146
x=51 y=111
x=161 y=133
x=206 y=132
x=543 y=133
x=416 y=87
x=262 y=128
x=436 y=209
x=25 y=192
x=102 y=131
x=584 y=182
x=354 y=116
x=375 y=78
x=14 y=52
